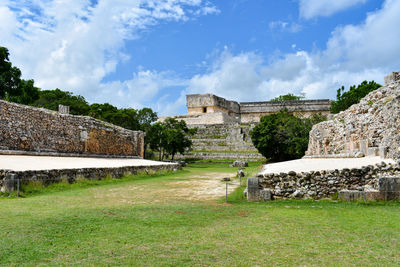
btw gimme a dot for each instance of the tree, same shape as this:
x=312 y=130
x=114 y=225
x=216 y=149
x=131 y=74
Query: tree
x=50 y=99
x=156 y=138
x=283 y=136
x=287 y=97
x=169 y=137
x=345 y=99
x=12 y=87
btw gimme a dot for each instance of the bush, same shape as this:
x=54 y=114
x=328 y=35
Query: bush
x=345 y=99
x=283 y=136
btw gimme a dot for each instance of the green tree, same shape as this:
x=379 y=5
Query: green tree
x=283 y=136
x=50 y=99
x=353 y=96
x=12 y=87
x=169 y=137
x=177 y=134
x=287 y=97
x=156 y=138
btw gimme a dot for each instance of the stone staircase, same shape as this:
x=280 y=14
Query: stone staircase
x=223 y=141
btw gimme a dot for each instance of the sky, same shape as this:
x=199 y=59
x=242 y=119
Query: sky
x=151 y=53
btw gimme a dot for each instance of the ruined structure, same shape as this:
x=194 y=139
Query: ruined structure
x=224 y=125
x=26 y=128
x=212 y=109
x=371 y=127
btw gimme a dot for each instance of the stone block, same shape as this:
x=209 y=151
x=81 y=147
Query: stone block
x=364 y=146
x=383 y=151
x=351 y=195
x=265 y=194
x=10 y=183
x=373 y=151
x=240 y=163
x=253 y=189
x=389 y=187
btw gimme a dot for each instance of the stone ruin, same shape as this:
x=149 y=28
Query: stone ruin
x=224 y=125
x=37 y=131
x=369 y=128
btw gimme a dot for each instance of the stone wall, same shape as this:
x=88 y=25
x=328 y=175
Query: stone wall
x=324 y=184
x=371 y=127
x=253 y=111
x=71 y=175
x=34 y=129
x=196 y=102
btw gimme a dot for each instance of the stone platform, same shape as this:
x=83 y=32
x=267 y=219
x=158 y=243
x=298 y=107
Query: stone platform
x=54 y=169
x=321 y=164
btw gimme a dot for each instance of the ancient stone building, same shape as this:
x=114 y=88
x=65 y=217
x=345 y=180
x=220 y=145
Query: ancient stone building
x=371 y=127
x=26 y=128
x=224 y=125
x=212 y=109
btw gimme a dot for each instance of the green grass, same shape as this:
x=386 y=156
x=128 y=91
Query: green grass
x=134 y=221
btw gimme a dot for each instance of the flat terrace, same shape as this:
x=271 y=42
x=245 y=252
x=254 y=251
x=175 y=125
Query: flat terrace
x=39 y=163
x=320 y=164
x=21 y=169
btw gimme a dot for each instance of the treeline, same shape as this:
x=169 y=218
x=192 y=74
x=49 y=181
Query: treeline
x=167 y=138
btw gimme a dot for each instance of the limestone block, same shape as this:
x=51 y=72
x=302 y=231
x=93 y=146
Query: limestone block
x=351 y=195
x=253 y=189
x=10 y=183
x=373 y=151
x=364 y=146
x=240 y=163
x=383 y=151
x=389 y=187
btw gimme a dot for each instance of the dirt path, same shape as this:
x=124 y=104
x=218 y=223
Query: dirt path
x=197 y=187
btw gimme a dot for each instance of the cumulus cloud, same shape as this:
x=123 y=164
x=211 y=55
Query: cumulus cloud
x=74 y=45
x=354 y=53
x=323 y=8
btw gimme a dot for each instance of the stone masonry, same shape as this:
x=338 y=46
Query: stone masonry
x=371 y=127
x=35 y=129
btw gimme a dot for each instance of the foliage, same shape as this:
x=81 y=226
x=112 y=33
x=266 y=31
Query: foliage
x=12 y=87
x=287 y=97
x=169 y=137
x=283 y=136
x=345 y=99
x=50 y=99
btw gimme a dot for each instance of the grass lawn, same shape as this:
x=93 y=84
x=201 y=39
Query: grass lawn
x=161 y=221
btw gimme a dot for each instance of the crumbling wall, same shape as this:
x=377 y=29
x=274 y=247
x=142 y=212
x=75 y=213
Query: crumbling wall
x=35 y=129
x=371 y=127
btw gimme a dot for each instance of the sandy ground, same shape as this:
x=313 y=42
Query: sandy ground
x=25 y=163
x=305 y=165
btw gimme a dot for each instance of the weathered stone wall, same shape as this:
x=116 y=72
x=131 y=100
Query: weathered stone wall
x=196 y=103
x=71 y=175
x=204 y=119
x=35 y=129
x=324 y=184
x=371 y=127
x=253 y=111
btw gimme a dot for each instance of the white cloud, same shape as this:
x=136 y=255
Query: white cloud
x=354 y=53
x=284 y=26
x=323 y=8
x=74 y=45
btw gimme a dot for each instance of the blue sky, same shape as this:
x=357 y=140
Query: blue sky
x=136 y=53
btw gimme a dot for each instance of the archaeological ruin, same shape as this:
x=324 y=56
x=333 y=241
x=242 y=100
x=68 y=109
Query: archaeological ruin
x=370 y=128
x=30 y=129
x=224 y=125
